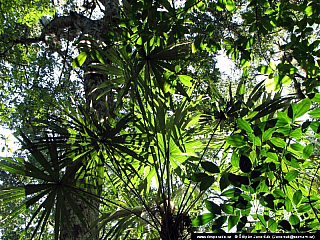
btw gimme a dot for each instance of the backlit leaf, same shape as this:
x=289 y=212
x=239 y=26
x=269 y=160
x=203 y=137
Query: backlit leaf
x=79 y=61
x=230 y=5
x=307 y=151
x=244 y=125
x=186 y=80
x=203 y=219
x=212 y=207
x=291 y=175
x=315 y=113
x=297 y=196
x=294 y=220
x=302 y=107
x=232 y=221
x=236 y=140
x=278 y=142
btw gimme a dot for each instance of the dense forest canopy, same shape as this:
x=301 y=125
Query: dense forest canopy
x=128 y=130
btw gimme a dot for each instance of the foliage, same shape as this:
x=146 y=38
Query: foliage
x=177 y=154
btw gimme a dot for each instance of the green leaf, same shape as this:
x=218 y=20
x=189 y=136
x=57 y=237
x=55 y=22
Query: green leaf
x=198 y=177
x=236 y=140
x=297 y=196
x=307 y=151
x=203 y=219
x=304 y=208
x=232 y=221
x=212 y=207
x=266 y=135
x=309 y=11
x=302 y=107
x=244 y=125
x=230 y=5
x=288 y=205
x=286 y=80
x=245 y=164
x=78 y=61
x=186 y=80
x=315 y=113
x=285 y=225
x=210 y=167
x=291 y=175
x=265 y=69
x=227 y=208
x=224 y=182
x=294 y=220
x=206 y=183
x=272 y=225
x=231 y=192
x=278 y=142
x=235 y=160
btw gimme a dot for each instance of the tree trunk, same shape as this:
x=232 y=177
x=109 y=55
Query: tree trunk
x=69 y=28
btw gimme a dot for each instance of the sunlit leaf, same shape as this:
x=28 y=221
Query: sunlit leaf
x=291 y=175
x=230 y=5
x=233 y=221
x=297 y=196
x=79 y=61
x=186 y=80
x=244 y=125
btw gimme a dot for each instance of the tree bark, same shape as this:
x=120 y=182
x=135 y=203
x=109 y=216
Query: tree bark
x=70 y=28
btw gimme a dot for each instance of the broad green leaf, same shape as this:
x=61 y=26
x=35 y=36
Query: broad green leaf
x=244 y=125
x=186 y=80
x=302 y=107
x=224 y=182
x=297 y=196
x=309 y=10
x=315 y=97
x=245 y=164
x=227 y=208
x=315 y=113
x=198 y=177
x=272 y=225
x=206 y=183
x=203 y=219
x=278 y=193
x=233 y=221
x=265 y=69
x=79 y=61
x=297 y=147
x=304 y=208
x=307 y=151
x=294 y=220
x=291 y=175
x=212 y=207
x=230 y=5
x=231 y=192
x=266 y=135
x=286 y=80
x=269 y=85
x=278 y=142
x=235 y=160
x=210 y=167
x=288 y=205
x=236 y=140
